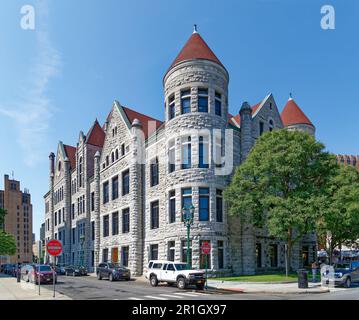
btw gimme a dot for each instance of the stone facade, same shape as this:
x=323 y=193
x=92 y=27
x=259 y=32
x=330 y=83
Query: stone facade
x=121 y=200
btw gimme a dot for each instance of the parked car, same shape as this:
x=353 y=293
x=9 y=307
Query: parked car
x=112 y=271
x=75 y=271
x=345 y=273
x=46 y=274
x=60 y=270
x=173 y=272
x=2 y=267
x=11 y=269
x=26 y=272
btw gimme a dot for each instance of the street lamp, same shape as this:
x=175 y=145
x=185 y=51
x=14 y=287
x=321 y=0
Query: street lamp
x=187 y=214
x=82 y=240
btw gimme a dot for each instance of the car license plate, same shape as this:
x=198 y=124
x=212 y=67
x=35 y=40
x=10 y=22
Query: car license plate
x=200 y=281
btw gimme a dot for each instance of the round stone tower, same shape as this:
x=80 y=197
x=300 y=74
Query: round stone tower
x=196 y=95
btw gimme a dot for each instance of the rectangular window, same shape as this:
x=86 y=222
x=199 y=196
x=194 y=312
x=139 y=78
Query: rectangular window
x=154 y=215
x=55 y=220
x=259 y=255
x=204 y=259
x=105 y=226
x=219 y=151
x=218 y=104
x=273 y=255
x=115 y=188
x=59 y=217
x=105 y=192
x=126 y=220
x=203 y=204
x=104 y=255
x=92 y=201
x=125 y=182
x=202 y=100
x=171 y=250
x=184 y=251
x=154 y=252
x=185 y=101
x=73 y=211
x=73 y=235
x=219 y=205
x=171 y=107
x=122 y=149
x=261 y=128
x=154 y=167
x=124 y=255
x=93 y=230
x=172 y=206
x=171 y=157
x=92 y=258
x=220 y=249
x=203 y=152
x=115 y=223
x=186 y=153
x=186 y=198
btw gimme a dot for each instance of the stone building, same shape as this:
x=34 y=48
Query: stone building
x=348 y=160
x=18 y=220
x=118 y=196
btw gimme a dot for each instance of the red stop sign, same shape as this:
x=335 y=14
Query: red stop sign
x=206 y=248
x=54 y=247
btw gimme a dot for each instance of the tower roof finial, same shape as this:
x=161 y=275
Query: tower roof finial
x=195 y=28
x=290 y=96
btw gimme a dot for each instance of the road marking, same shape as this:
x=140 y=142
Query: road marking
x=188 y=294
x=171 y=296
x=134 y=298
x=158 y=298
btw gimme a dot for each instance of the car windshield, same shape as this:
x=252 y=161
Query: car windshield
x=180 y=266
x=116 y=265
x=44 y=268
x=342 y=266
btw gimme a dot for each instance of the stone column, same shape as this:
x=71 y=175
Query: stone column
x=97 y=210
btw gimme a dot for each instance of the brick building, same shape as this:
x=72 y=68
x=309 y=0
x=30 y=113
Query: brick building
x=18 y=220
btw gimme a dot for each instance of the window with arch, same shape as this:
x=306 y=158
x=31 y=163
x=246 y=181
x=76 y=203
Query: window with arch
x=80 y=172
x=171 y=156
x=171 y=107
x=186 y=101
x=271 y=125
x=186 y=153
x=59 y=166
x=203 y=148
x=116 y=154
x=202 y=100
x=112 y=157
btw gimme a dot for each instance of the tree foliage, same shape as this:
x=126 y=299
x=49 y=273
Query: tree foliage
x=281 y=183
x=7 y=241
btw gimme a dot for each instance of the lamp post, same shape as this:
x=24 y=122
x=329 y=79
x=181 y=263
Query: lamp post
x=187 y=214
x=82 y=240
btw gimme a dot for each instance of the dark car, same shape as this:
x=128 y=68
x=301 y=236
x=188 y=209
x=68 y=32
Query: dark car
x=60 y=270
x=75 y=271
x=345 y=273
x=11 y=269
x=44 y=272
x=112 y=271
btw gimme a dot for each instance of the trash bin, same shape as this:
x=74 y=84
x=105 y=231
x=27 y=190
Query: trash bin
x=302 y=278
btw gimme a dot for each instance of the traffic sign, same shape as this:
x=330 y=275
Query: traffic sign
x=206 y=248
x=54 y=247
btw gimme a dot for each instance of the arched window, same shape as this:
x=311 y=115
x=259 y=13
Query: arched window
x=186 y=101
x=271 y=125
x=116 y=154
x=59 y=166
x=80 y=172
x=112 y=157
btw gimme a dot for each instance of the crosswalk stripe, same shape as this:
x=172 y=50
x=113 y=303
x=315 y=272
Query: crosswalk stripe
x=158 y=298
x=172 y=296
x=187 y=294
x=134 y=298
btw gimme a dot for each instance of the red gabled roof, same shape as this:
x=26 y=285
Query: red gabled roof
x=96 y=135
x=71 y=154
x=237 y=119
x=195 y=48
x=149 y=124
x=292 y=114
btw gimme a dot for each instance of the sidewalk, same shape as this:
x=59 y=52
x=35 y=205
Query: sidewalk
x=257 y=287
x=12 y=290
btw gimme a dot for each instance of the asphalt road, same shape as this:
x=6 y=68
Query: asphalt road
x=87 y=288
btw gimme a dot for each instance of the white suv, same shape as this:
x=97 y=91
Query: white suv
x=173 y=272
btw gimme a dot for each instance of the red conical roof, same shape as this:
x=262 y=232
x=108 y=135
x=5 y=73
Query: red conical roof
x=96 y=135
x=195 y=48
x=292 y=114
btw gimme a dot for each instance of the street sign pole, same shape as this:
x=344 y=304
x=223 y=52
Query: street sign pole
x=53 y=275
x=54 y=248
x=206 y=271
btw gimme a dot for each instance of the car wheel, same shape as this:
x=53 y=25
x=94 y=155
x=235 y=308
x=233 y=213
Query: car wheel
x=153 y=281
x=348 y=282
x=110 y=277
x=128 y=279
x=181 y=283
x=99 y=276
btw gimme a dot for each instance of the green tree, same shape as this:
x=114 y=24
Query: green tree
x=280 y=185
x=340 y=210
x=7 y=241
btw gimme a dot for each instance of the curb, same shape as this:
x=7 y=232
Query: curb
x=239 y=290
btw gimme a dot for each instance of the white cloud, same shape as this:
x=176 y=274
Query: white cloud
x=32 y=109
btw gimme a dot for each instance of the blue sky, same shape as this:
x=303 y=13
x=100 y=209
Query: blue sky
x=82 y=55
